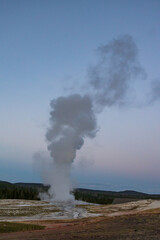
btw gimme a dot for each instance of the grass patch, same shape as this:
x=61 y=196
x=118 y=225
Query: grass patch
x=26 y=211
x=83 y=205
x=6 y=227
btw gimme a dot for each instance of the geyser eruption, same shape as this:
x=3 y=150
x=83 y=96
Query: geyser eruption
x=155 y=91
x=116 y=70
x=71 y=120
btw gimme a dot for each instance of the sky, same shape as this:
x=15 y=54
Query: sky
x=46 y=48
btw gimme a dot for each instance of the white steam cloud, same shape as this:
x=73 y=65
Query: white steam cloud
x=155 y=91
x=115 y=71
x=72 y=118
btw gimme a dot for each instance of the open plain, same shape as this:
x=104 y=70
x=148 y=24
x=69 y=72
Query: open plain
x=133 y=220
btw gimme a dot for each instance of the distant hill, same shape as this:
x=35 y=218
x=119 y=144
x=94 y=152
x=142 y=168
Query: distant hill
x=104 y=197
x=32 y=185
x=20 y=190
x=5 y=183
x=114 y=193
x=31 y=191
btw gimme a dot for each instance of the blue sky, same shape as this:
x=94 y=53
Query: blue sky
x=46 y=48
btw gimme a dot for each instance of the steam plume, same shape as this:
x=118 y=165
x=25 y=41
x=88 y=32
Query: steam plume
x=72 y=118
x=117 y=67
x=155 y=91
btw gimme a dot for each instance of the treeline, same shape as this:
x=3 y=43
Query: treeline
x=91 y=197
x=31 y=191
x=107 y=197
x=16 y=192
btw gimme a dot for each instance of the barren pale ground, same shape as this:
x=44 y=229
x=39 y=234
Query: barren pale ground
x=133 y=220
x=21 y=210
